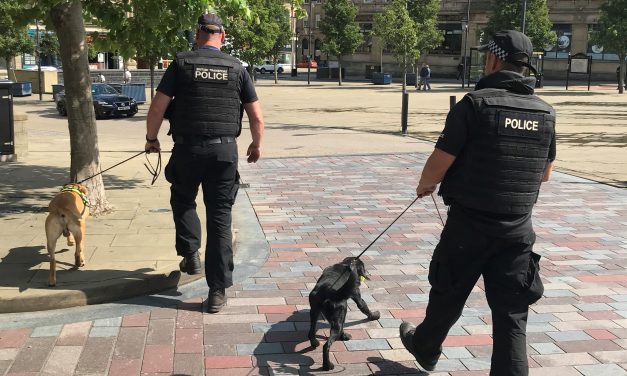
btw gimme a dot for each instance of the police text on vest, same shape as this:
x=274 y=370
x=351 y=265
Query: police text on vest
x=530 y=125
x=211 y=73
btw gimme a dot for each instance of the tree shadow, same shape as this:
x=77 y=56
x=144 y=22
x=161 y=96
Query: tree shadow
x=29 y=188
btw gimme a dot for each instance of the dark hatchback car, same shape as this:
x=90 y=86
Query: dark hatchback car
x=108 y=102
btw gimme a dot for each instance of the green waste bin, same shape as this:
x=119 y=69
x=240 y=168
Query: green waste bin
x=7 y=139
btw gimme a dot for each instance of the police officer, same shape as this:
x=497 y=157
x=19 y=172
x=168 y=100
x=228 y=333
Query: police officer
x=497 y=147
x=209 y=88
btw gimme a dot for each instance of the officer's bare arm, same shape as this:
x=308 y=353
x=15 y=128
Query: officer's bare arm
x=547 y=171
x=255 y=119
x=432 y=174
x=155 y=114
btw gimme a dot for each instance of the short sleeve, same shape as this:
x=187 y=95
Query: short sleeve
x=167 y=85
x=248 y=93
x=453 y=137
x=552 y=149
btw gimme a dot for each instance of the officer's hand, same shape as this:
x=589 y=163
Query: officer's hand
x=422 y=190
x=253 y=153
x=152 y=146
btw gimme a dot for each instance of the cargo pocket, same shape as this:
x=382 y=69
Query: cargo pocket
x=168 y=172
x=439 y=276
x=533 y=284
x=234 y=189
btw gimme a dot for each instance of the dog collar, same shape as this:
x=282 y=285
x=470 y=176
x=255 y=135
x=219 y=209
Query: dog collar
x=362 y=279
x=71 y=188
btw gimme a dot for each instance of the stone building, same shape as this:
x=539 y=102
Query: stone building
x=573 y=22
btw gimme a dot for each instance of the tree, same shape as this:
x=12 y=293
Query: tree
x=14 y=39
x=252 y=40
x=341 y=33
x=508 y=16
x=66 y=17
x=425 y=14
x=283 y=37
x=145 y=30
x=612 y=34
x=398 y=33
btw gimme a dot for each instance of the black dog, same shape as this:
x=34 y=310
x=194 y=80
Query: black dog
x=335 y=286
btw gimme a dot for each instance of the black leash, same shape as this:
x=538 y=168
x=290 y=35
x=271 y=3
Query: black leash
x=394 y=221
x=438 y=209
x=154 y=171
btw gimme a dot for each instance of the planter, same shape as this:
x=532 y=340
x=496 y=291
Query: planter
x=381 y=78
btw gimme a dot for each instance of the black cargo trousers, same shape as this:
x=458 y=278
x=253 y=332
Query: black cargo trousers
x=511 y=278
x=199 y=161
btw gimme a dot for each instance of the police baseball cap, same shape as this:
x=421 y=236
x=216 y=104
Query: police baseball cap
x=511 y=46
x=210 y=23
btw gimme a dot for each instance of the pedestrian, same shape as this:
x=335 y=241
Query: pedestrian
x=127 y=76
x=101 y=78
x=210 y=89
x=497 y=147
x=460 y=71
x=425 y=77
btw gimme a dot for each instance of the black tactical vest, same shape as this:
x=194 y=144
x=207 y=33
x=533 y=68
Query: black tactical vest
x=501 y=167
x=207 y=100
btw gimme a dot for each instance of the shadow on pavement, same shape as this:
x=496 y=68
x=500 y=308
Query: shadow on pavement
x=389 y=367
x=29 y=188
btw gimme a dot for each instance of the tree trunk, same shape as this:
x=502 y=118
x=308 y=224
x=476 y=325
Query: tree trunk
x=276 y=74
x=621 y=74
x=67 y=19
x=10 y=70
x=339 y=73
x=152 y=79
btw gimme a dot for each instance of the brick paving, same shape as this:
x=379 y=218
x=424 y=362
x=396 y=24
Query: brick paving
x=316 y=211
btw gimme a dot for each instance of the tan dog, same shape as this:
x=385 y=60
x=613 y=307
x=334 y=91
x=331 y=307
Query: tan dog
x=68 y=212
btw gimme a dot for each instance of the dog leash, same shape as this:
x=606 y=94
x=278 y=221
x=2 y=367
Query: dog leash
x=154 y=171
x=438 y=209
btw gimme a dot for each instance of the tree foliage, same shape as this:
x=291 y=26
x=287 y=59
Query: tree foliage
x=14 y=39
x=254 y=39
x=341 y=32
x=425 y=14
x=612 y=33
x=398 y=32
x=508 y=16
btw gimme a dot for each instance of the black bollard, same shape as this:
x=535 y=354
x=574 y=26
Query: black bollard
x=453 y=100
x=404 y=113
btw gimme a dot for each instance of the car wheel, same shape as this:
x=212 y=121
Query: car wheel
x=131 y=114
x=280 y=70
x=263 y=70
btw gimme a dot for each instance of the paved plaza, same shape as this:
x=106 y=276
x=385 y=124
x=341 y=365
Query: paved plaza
x=335 y=172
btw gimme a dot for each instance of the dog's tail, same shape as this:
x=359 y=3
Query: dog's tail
x=66 y=230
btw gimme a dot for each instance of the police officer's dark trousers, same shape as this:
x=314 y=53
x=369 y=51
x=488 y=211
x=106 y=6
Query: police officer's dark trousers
x=194 y=163
x=510 y=273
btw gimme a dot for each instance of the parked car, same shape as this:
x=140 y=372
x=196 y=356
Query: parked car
x=268 y=66
x=303 y=64
x=108 y=102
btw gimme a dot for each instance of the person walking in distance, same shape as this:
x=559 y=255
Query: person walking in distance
x=210 y=89
x=425 y=77
x=127 y=76
x=496 y=149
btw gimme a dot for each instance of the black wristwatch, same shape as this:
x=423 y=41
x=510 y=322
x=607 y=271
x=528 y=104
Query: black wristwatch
x=151 y=140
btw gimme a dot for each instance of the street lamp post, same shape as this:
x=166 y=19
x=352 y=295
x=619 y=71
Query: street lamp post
x=465 y=62
x=293 y=37
x=524 y=16
x=311 y=5
x=38 y=58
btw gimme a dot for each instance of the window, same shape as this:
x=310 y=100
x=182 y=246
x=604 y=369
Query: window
x=598 y=52
x=561 y=49
x=306 y=24
x=452 y=43
x=317 y=23
x=366 y=30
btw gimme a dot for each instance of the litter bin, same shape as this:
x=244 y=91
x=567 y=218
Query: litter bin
x=410 y=79
x=381 y=78
x=22 y=89
x=7 y=144
x=56 y=89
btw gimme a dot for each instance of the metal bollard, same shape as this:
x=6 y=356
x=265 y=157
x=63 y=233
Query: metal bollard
x=404 y=113
x=452 y=100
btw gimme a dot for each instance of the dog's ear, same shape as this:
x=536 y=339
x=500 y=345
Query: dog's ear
x=81 y=188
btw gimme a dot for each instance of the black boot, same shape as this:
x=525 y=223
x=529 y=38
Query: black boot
x=407 y=338
x=216 y=300
x=191 y=264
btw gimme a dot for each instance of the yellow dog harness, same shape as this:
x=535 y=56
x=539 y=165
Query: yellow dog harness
x=72 y=188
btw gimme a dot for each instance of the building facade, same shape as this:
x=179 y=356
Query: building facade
x=574 y=21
